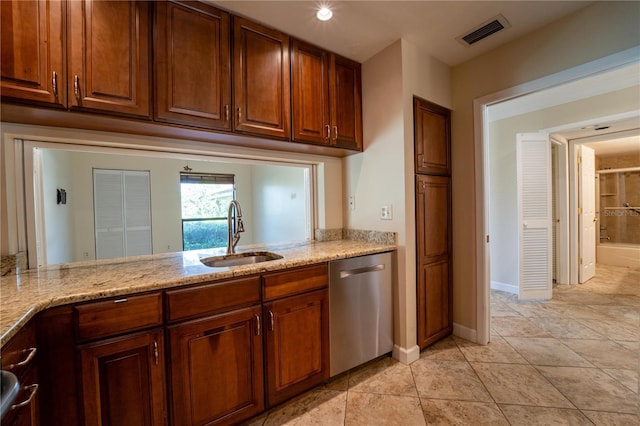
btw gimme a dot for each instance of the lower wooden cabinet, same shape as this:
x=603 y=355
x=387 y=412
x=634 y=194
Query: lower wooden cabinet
x=297 y=344
x=123 y=380
x=433 y=241
x=19 y=357
x=216 y=368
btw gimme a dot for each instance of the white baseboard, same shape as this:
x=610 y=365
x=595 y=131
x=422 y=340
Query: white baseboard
x=509 y=288
x=464 y=332
x=406 y=356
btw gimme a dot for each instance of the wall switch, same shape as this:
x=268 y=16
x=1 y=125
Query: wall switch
x=386 y=212
x=352 y=203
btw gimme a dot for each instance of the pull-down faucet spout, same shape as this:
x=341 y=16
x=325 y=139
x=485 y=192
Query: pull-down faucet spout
x=234 y=227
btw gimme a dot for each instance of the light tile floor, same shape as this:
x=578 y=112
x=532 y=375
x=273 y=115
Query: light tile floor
x=573 y=360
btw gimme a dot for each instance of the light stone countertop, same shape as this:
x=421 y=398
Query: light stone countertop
x=24 y=295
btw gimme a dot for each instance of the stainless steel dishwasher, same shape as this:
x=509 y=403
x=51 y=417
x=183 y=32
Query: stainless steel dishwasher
x=361 y=310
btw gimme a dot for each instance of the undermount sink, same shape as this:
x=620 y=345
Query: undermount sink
x=9 y=391
x=238 y=259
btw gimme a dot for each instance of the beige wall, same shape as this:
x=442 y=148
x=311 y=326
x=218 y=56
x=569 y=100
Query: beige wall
x=383 y=173
x=596 y=31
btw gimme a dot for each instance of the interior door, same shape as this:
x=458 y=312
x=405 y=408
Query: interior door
x=586 y=213
x=533 y=152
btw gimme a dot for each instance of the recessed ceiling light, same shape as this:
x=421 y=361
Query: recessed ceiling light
x=324 y=14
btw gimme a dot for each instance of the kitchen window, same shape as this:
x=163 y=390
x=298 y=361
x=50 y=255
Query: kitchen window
x=205 y=200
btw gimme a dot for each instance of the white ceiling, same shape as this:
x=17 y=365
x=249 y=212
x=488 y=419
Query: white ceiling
x=362 y=28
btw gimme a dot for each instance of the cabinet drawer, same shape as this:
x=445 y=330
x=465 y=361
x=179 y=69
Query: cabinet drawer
x=296 y=281
x=19 y=354
x=212 y=298
x=118 y=315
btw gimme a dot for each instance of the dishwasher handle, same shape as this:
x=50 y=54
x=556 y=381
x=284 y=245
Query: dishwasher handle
x=358 y=271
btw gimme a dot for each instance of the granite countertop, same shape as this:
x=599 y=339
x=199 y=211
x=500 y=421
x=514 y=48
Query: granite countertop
x=25 y=294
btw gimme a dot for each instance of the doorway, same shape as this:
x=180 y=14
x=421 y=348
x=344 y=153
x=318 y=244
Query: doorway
x=601 y=70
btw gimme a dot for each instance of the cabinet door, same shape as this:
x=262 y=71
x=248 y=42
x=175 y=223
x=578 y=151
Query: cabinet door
x=346 y=103
x=297 y=339
x=261 y=80
x=432 y=137
x=192 y=65
x=310 y=93
x=433 y=230
x=216 y=369
x=109 y=56
x=123 y=380
x=33 y=51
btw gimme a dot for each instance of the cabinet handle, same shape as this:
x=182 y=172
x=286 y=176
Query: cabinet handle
x=335 y=133
x=155 y=351
x=328 y=128
x=54 y=84
x=76 y=87
x=257 y=325
x=27 y=360
x=226 y=113
x=34 y=390
x=271 y=320
x=123 y=300
x=239 y=114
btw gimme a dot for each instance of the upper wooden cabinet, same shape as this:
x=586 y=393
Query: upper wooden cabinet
x=192 y=65
x=109 y=56
x=326 y=97
x=33 y=51
x=346 y=103
x=261 y=80
x=432 y=138
x=310 y=93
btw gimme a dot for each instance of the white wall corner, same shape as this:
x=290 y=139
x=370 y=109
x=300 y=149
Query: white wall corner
x=509 y=288
x=406 y=356
x=465 y=332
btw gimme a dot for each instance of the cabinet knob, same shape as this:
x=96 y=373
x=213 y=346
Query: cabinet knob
x=54 y=84
x=76 y=87
x=257 y=317
x=34 y=390
x=31 y=352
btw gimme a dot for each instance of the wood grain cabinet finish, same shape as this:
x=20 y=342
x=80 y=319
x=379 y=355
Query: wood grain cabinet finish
x=296 y=323
x=432 y=139
x=326 y=97
x=20 y=356
x=109 y=56
x=192 y=65
x=217 y=369
x=33 y=51
x=261 y=80
x=123 y=380
x=433 y=230
x=346 y=103
x=432 y=136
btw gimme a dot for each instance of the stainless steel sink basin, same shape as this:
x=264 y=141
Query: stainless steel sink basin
x=238 y=259
x=8 y=391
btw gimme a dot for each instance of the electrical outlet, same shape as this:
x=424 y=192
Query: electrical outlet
x=386 y=212
x=352 y=203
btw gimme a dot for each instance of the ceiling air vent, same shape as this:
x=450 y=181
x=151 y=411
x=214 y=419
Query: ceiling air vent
x=492 y=26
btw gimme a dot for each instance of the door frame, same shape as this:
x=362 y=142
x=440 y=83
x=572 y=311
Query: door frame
x=481 y=155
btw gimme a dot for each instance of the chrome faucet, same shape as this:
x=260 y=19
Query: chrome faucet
x=234 y=227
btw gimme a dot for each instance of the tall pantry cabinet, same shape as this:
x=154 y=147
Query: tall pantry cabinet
x=432 y=138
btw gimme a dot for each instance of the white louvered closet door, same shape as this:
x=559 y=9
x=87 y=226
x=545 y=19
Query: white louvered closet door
x=122 y=208
x=534 y=213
